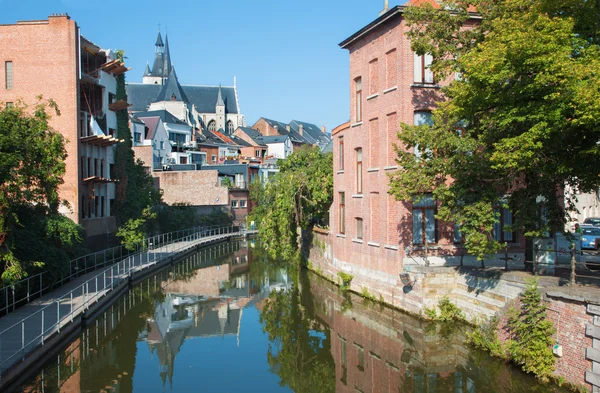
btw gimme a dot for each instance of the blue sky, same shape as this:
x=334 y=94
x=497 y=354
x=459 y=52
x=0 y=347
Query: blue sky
x=284 y=53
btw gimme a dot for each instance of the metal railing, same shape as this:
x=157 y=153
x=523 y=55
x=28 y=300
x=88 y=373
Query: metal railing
x=23 y=291
x=34 y=330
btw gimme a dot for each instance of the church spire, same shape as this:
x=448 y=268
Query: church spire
x=147 y=70
x=159 y=42
x=220 y=101
x=167 y=58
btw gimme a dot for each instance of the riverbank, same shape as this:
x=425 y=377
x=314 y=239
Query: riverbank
x=480 y=293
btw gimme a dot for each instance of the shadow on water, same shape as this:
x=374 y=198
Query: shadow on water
x=265 y=327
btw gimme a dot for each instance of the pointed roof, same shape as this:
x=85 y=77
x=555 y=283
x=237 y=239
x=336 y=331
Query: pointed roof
x=171 y=88
x=167 y=57
x=159 y=41
x=220 y=101
x=147 y=70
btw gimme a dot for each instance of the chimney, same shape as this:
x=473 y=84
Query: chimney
x=301 y=130
x=385 y=7
x=324 y=129
x=276 y=130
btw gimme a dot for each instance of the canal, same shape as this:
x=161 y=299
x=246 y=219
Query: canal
x=227 y=319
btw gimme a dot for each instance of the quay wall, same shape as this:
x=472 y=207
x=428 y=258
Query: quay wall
x=480 y=294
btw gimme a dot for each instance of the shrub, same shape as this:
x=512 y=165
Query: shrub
x=346 y=280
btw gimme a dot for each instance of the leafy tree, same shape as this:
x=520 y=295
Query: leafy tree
x=299 y=196
x=135 y=187
x=32 y=166
x=531 y=334
x=135 y=230
x=517 y=126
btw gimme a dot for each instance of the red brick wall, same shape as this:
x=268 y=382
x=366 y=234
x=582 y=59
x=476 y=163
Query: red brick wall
x=239 y=213
x=44 y=56
x=198 y=188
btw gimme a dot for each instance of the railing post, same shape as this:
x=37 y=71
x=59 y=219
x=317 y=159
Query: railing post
x=58 y=314
x=42 y=327
x=71 y=306
x=41 y=283
x=22 y=339
x=104 y=280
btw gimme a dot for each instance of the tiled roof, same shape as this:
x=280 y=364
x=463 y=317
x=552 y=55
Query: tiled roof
x=275 y=139
x=164 y=115
x=152 y=123
x=171 y=88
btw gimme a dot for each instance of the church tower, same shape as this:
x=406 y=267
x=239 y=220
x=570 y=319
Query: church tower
x=220 y=111
x=161 y=68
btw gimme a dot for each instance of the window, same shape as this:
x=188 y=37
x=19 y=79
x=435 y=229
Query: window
x=358 y=88
x=102 y=199
x=243 y=203
x=422 y=65
x=422 y=118
x=502 y=231
x=9 y=104
x=424 y=223
x=361 y=357
x=230 y=127
x=137 y=137
x=234 y=203
x=343 y=379
x=373 y=76
x=359 y=159
x=342 y=226
x=359 y=228
x=162 y=145
x=8 y=74
x=183 y=160
x=341 y=154
x=177 y=138
x=212 y=125
x=458 y=236
x=214 y=158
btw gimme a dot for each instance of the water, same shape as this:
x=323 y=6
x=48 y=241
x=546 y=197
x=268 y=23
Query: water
x=229 y=320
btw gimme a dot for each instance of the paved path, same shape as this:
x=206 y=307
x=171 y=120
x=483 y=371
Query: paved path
x=68 y=302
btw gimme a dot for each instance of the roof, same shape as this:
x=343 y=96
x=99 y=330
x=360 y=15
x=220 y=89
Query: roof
x=328 y=148
x=152 y=124
x=341 y=127
x=223 y=137
x=256 y=136
x=239 y=141
x=171 y=88
x=282 y=130
x=275 y=139
x=228 y=169
x=164 y=115
x=311 y=130
x=203 y=98
x=220 y=98
x=159 y=41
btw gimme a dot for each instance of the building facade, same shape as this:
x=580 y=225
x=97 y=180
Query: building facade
x=374 y=236
x=51 y=58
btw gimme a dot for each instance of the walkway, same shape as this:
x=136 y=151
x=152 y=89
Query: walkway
x=23 y=330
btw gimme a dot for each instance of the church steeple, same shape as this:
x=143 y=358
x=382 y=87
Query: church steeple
x=220 y=101
x=147 y=70
x=167 y=57
x=159 y=46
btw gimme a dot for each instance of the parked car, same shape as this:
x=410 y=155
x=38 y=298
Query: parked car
x=590 y=237
x=595 y=221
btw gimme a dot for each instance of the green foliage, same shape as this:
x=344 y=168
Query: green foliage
x=182 y=215
x=345 y=280
x=430 y=313
x=32 y=166
x=135 y=230
x=298 y=197
x=526 y=105
x=364 y=292
x=135 y=187
x=485 y=337
x=531 y=333
x=227 y=182
x=448 y=312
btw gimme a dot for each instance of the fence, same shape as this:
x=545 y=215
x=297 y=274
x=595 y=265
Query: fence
x=23 y=336
x=22 y=292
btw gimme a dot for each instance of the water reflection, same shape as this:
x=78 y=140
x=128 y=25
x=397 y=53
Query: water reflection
x=228 y=319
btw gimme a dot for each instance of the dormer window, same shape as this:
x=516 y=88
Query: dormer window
x=173 y=97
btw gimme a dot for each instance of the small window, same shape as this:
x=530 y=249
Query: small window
x=243 y=203
x=162 y=145
x=214 y=158
x=257 y=153
x=212 y=125
x=502 y=231
x=342 y=211
x=358 y=88
x=424 y=222
x=234 y=203
x=361 y=357
x=137 y=137
x=359 y=228
x=183 y=160
x=8 y=74
x=359 y=159
x=341 y=153
x=230 y=128
x=422 y=65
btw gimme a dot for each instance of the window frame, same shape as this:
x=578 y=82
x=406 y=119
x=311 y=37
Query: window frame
x=358 y=98
x=234 y=203
x=422 y=63
x=243 y=203
x=8 y=75
x=342 y=213
x=359 y=228
x=359 y=165
x=501 y=225
x=424 y=209
x=211 y=126
x=341 y=153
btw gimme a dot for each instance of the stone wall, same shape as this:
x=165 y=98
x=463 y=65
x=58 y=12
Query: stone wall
x=198 y=188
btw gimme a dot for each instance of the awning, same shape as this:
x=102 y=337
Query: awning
x=118 y=105
x=98 y=179
x=100 y=140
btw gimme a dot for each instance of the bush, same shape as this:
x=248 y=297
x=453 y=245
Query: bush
x=346 y=280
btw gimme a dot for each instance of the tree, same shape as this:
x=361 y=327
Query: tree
x=518 y=125
x=135 y=188
x=134 y=231
x=32 y=166
x=299 y=196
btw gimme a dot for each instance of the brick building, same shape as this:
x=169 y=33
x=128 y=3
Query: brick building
x=51 y=57
x=376 y=237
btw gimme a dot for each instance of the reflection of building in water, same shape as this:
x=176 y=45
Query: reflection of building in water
x=382 y=350
x=180 y=317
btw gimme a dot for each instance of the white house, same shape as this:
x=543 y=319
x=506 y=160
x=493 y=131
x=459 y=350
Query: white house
x=279 y=146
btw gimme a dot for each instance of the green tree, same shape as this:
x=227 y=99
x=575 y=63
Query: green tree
x=32 y=166
x=135 y=230
x=135 y=188
x=531 y=333
x=299 y=196
x=518 y=125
